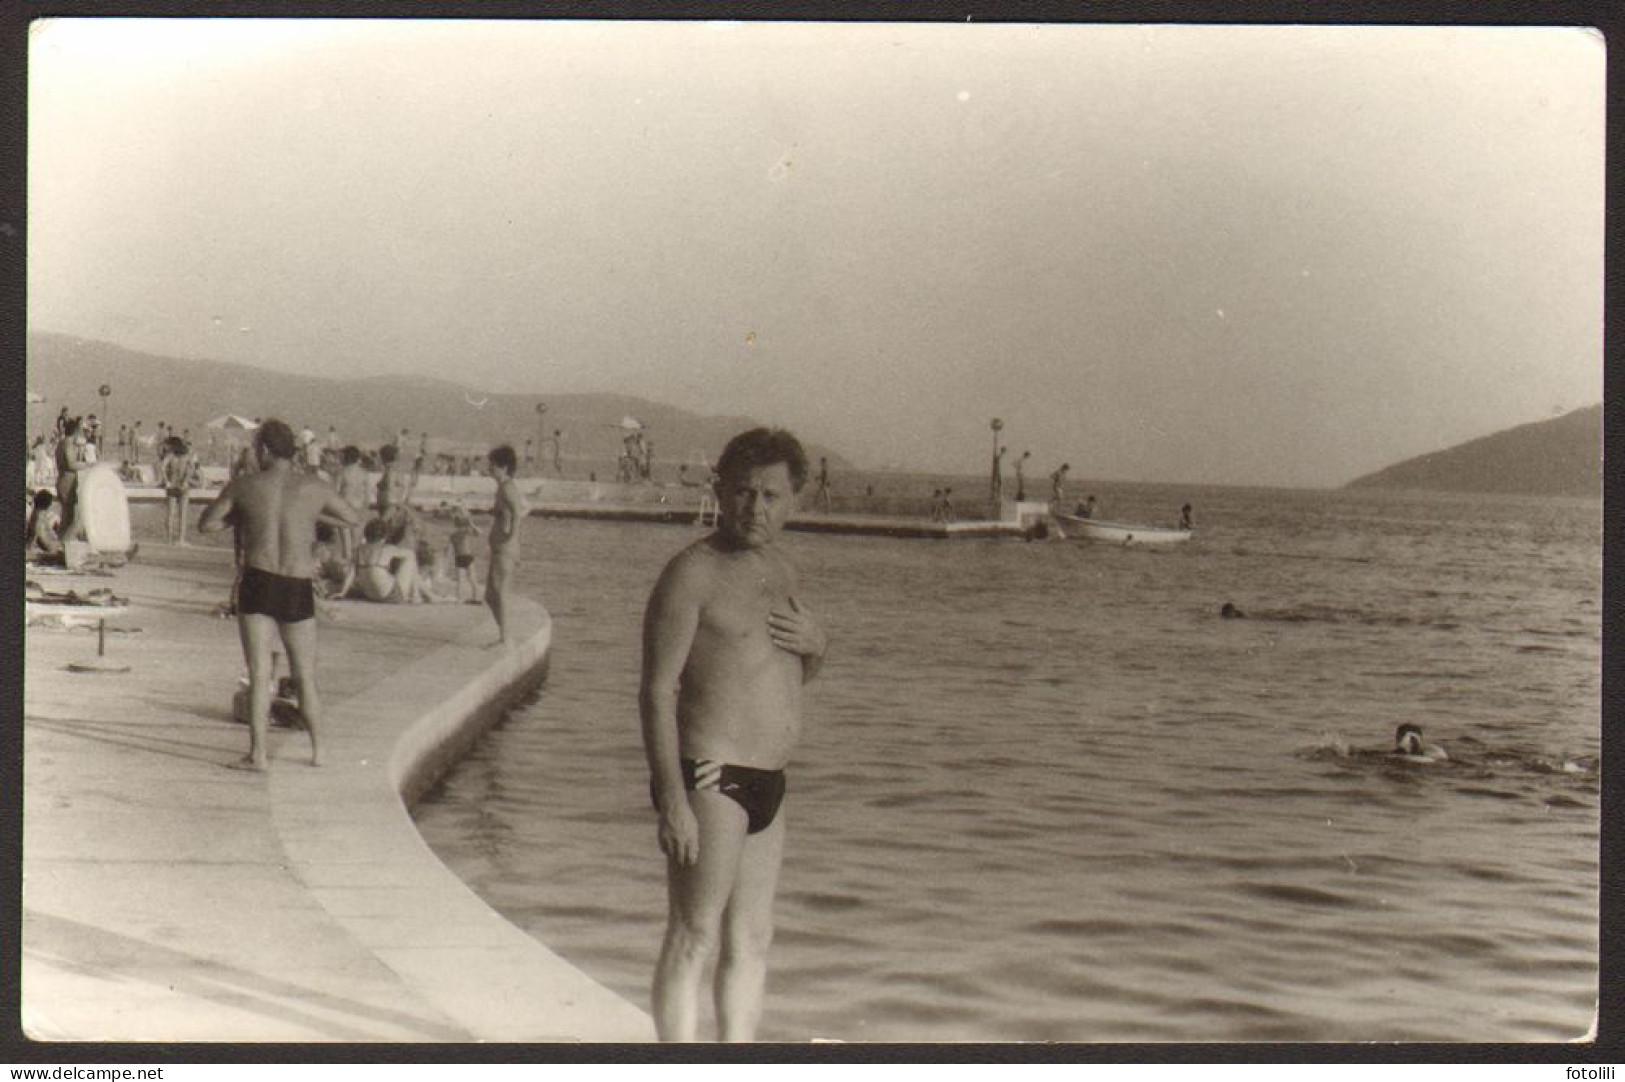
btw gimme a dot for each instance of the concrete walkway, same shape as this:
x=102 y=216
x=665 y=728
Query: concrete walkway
x=167 y=898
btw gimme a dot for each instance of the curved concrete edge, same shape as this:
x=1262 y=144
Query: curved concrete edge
x=351 y=841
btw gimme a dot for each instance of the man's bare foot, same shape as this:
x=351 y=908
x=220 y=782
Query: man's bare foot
x=248 y=763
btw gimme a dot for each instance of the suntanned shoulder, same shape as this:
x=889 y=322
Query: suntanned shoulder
x=692 y=567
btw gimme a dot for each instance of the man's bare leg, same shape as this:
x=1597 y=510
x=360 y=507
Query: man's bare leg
x=697 y=896
x=259 y=635
x=300 y=639
x=747 y=932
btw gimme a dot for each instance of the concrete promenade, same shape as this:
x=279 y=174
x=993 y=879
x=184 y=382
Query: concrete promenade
x=167 y=898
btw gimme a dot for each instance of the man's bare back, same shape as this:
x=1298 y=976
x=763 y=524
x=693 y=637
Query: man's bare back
x=278 y=509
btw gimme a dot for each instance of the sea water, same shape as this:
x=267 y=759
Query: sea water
x=1046 y=793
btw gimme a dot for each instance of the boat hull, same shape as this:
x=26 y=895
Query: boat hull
x=1120 y=533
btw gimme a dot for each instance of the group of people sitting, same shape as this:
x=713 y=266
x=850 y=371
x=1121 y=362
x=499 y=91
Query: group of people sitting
x=397 y=562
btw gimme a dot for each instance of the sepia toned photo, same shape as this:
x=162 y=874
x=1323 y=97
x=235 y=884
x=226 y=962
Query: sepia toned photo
x=590 y=531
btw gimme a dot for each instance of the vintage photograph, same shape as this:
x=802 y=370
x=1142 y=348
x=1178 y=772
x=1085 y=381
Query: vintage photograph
x=608 y=531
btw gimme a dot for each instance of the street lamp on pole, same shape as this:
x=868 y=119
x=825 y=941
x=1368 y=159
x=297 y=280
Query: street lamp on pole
x=996 y=481
x=106 y=392
x=541 y=429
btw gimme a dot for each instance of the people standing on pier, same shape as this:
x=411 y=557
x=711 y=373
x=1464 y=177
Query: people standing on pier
x=276 y=509
x=821 y=495
x=558 y=452
x=1021 y=478
x=727 y=646
x=1057 y=486
x=508 y=512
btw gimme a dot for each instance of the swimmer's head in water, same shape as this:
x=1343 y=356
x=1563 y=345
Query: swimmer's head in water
x=1408 y=739
x=1230 y=612
x=764 y=447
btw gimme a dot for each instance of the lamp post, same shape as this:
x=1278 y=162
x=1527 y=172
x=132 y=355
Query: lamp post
x=107 y=422
x=996 y=481
x=541 y=430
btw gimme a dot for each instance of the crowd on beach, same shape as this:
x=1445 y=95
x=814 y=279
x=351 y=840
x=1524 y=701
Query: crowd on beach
x=393 y=553
x=728 y=643
x=302 y=535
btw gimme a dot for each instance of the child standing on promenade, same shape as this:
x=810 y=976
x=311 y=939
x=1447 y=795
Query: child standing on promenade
x=463 y=532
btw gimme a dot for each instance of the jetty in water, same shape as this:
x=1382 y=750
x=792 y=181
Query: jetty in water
x=612 y=501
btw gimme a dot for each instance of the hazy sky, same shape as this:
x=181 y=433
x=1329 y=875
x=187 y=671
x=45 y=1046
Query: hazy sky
x=1249 y=255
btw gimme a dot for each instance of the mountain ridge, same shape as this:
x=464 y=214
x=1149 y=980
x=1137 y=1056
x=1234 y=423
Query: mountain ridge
x=1557 y=457
x=366 y=410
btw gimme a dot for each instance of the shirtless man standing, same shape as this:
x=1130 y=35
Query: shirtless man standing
x=394 y=487
x=353 y=486
x=276 y=510
x=727 y=646
x=507 y=513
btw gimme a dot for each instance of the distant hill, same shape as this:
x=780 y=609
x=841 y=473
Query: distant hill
x=367 y=411
x=1560 y=457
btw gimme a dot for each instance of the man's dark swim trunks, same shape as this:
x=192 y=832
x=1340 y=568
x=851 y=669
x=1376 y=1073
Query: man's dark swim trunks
x=285 y=600
x=759 y=792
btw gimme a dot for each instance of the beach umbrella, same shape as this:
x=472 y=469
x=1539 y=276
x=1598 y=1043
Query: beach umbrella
x=231 y=422
x=630 y=424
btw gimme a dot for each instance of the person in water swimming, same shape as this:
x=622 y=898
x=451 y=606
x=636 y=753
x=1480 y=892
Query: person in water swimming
x=727 y=646
x=1409 y=745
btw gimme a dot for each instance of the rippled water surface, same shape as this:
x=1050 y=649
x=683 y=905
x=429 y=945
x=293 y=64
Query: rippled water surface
x=1046 y=793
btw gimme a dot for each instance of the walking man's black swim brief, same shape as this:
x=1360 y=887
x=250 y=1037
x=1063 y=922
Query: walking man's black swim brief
x=284 y=599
